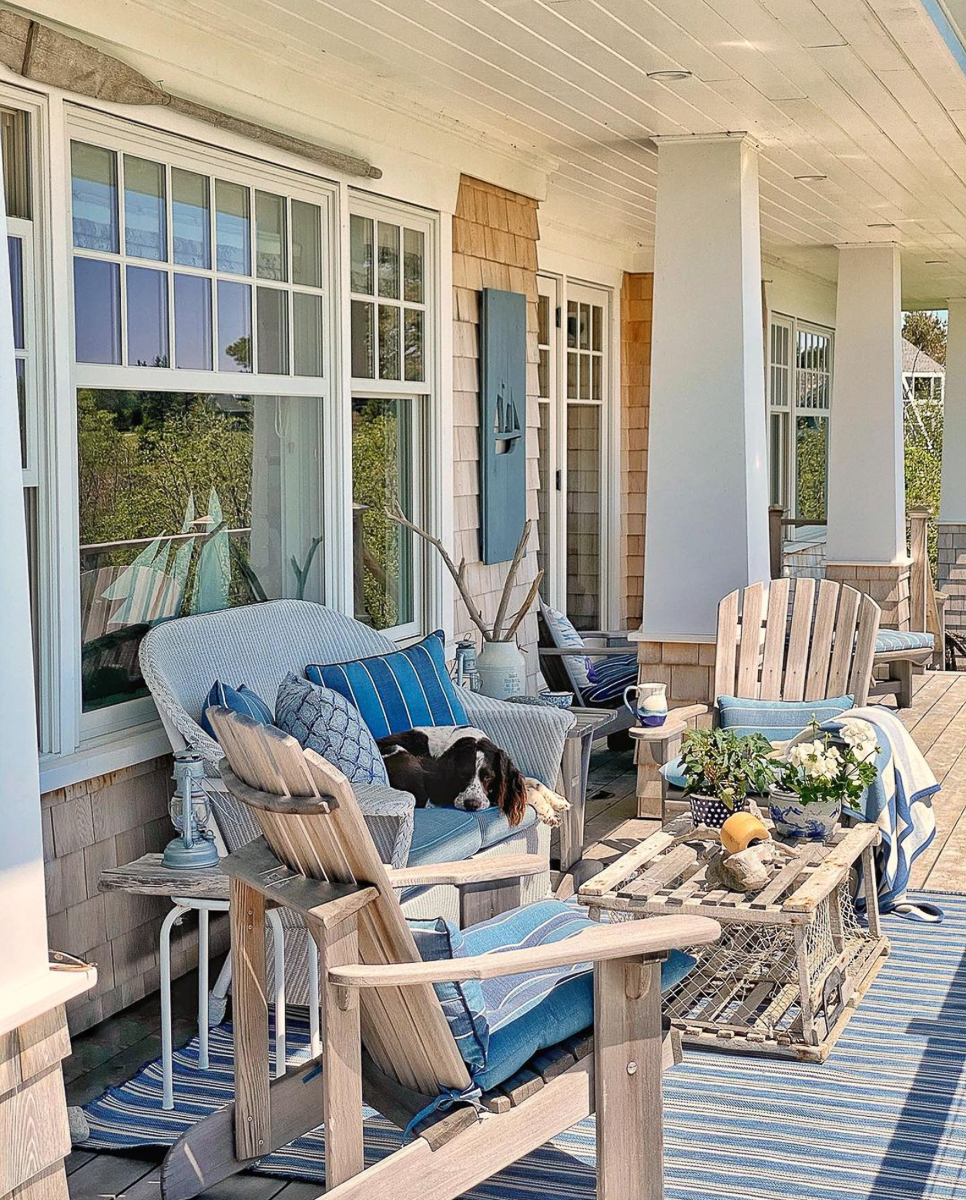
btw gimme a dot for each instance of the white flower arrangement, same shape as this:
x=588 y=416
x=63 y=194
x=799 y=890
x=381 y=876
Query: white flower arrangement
x=819 y=770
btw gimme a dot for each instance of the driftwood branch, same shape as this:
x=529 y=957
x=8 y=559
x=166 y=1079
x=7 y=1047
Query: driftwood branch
x=524 y=607
x=508 y=584
x=458 y=572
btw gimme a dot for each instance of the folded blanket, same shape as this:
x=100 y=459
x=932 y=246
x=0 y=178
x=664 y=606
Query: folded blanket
x=899 y=802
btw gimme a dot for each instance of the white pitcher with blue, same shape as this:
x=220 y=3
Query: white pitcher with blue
x=648 y=703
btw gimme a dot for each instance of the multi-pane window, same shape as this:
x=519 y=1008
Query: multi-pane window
x=181 y=268
x=800 y=379
x=546 y=302
x=388 y=306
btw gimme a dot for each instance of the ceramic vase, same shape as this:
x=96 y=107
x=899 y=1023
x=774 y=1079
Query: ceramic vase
x=710 y=811
x=502 y=669
x=796 y=821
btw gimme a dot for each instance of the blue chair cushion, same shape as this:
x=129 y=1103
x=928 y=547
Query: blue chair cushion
x=397 y=691
x=674 y=774
x=463 y=1003
x=609 y=677
x=566 y=637
x=495 y=828
x=443 y=835
x=532 y=1012
x=323 y=720
x=239 y=700
x=778 y=720
x=903 y=639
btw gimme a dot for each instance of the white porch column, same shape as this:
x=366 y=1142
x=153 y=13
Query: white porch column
x=866 y=485
x=952 y=504
x=707 y=498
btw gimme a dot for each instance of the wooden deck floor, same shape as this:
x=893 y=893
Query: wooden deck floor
x=112 y=1052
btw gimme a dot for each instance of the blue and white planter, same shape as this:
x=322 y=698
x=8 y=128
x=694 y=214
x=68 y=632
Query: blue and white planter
x=796 y=821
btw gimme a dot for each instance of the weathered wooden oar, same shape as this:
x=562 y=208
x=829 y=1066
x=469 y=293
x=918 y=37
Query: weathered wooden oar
x=45 y=55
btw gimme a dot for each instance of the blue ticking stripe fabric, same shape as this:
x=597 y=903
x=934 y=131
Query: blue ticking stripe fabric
x=880 y=1119
x=902 y=639
x=323 y=720
x=443 y=835
x=463 y=1002
x=398 y=691
x=609 y=677
x=240 y=700
x=778 y=720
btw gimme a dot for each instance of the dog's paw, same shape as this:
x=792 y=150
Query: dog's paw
x=548 y=805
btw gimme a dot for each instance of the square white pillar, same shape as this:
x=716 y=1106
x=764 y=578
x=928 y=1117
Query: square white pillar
x=707 y=493
x=952 y=504
x=866 y=480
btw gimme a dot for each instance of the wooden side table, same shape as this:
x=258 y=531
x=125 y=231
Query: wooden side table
x=591 y=723
x=203 y=892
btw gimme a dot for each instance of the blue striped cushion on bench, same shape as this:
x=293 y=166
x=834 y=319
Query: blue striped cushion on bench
x=889 y=640
x=778 y=720
x=609 y=677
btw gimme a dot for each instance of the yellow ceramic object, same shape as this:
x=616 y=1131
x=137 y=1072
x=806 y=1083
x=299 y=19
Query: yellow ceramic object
x=741 y=830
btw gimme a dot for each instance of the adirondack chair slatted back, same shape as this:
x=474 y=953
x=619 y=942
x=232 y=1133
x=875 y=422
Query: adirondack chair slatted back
x=403 y=1029
x=775 y=646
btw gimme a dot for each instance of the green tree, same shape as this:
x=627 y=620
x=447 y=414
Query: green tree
x=927 y=330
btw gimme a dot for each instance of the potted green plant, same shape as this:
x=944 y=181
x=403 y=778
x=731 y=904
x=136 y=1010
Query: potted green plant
x=817 y=776
x=720 y=768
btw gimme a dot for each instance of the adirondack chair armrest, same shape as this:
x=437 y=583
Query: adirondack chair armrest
x=676 y=724
x=470 y=871
x=653 y=937
x=585 y=652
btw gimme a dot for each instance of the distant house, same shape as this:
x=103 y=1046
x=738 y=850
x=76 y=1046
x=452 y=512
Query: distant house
x=922 y=377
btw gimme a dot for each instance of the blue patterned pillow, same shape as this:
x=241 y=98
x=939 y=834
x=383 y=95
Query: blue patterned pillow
x=240 y=700
x=567 y=638
x=439 y=941
x=778 y=720
x=398 y=691
x=322 y=720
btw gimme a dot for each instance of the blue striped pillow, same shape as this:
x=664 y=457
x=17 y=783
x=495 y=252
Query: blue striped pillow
x=240 y=700
x=463 y=1006
x=778 y=720
x=398 y=691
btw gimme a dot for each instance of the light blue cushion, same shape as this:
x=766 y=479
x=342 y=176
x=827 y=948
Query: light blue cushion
x=443 y=835
x=239 y=700
x=321 y=719
x=494 y=827
x=398 y=691
x=462 y=1002
x=778 y=720
x=609 y=677
x=673 y=772
x=903 y=639
x=566 y=637
x=528 y=1013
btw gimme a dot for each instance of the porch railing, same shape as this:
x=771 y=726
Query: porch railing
x=927 y=607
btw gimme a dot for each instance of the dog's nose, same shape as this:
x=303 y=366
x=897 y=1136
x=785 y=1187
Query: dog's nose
x=474 y=804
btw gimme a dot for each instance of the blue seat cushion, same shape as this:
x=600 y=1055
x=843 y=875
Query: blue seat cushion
x=673 y=772
x=323 y=720
x=444 y=835
x=239 y=700
x=902 y=639
x=398 y=691
x=528 y=1013
x=495 y=828
x=778 y=720
x=463 y=1003
x=609 y=677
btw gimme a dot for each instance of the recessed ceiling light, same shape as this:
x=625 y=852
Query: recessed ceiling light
x=667 y=76
x=810 y=178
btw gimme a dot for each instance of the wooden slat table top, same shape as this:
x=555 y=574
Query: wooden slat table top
x=147 y=877
x=652 y=878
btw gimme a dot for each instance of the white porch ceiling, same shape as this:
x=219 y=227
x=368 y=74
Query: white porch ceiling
x=864 y=92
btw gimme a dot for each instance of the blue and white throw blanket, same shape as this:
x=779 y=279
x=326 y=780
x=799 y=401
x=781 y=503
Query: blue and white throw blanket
x=900 y=803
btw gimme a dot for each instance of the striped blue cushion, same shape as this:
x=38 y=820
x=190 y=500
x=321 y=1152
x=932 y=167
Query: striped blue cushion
x=397 y=691
x=610 y=676
x=903 y=639
x=240 y=700
x=443 y=835
x=778 y=720
x=463 y=1003
x=566 y=637
x=494 y=827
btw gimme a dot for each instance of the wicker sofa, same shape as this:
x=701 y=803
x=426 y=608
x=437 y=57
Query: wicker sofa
x=257 y=646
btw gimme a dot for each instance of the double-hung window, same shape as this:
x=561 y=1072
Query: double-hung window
x=202 y=287
x=390 y=283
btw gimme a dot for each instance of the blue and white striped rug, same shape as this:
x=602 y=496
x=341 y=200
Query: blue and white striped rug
x=883 y=1119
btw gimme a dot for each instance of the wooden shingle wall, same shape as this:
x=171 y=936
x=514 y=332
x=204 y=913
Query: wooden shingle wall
x=635 y=389
x=106 y=822
x=495 y=237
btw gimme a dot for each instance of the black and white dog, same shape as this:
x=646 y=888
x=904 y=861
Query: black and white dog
x=458 y=766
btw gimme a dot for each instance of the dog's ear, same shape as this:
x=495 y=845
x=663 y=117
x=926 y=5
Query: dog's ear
x=509 y=787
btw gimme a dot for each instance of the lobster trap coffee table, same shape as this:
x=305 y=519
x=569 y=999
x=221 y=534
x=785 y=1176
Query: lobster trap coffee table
x=793 y=960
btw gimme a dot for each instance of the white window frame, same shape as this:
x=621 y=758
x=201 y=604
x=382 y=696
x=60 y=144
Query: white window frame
x=427 y=422
x=793 y=409
x=566 y=288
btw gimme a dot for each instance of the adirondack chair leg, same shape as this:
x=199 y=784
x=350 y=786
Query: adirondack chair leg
x=902 y=672
x=628 y=1058
x=341 y=1055
x=253 y=1124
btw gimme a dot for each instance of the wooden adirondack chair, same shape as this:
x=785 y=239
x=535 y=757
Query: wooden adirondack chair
x=385 y=1037
x=773 y=644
